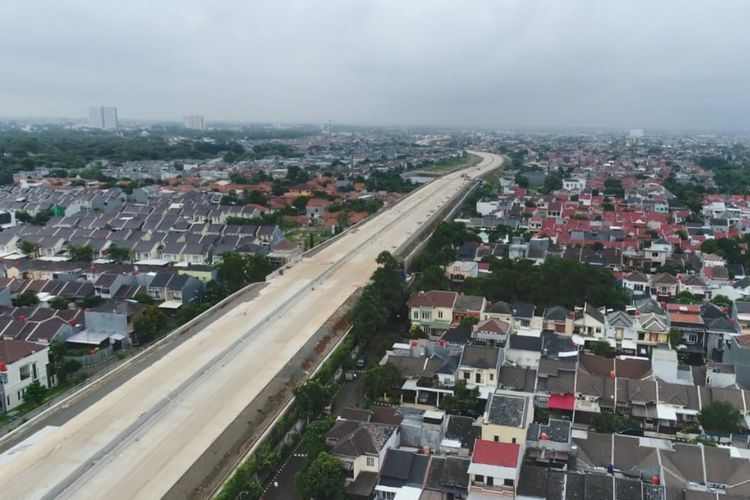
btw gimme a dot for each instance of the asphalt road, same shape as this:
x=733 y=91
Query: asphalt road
x=139 y=440
x=94 y=391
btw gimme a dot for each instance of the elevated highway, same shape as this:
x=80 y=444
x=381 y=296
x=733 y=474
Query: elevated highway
x=138 y=441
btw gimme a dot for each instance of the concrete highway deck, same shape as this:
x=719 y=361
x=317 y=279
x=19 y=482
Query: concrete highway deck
x=137 y=441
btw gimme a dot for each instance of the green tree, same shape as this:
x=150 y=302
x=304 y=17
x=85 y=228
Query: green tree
x=609 y=422
x=675 y=338
x=151 y=323
x=379 y=379
x=323 y=478
x=686 y=298
x=91 y=301
x=144 y=298
x=215 y=292
x=552 y=182
x=26 y=298
x=469 y=321
x=28 y=248
x=81 y=253
x=462 y=399
x=314 y=437
x=278 y=188
x=35 y=393
x=720 y=417
x=521 y=180
x=255 y=196
x=602 y=348
x=722 y=301
x=59 y=303
x=613 y=186
x=555 y=282
x=370 y=314
x=237 y=270
x=432 y=278
x=300 y=203
x=119 y=254
x=313 y=396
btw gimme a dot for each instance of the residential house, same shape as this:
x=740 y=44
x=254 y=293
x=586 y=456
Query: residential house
x=524 y=351
x=499 y=310
x=524 y=317
x=665 y=285
x=203 y=272
x=589 y=322
x=620 y=330
x=403 y=473
x=459 y=270
x=558 y=319
x=695 y=285
x=507 y=417
x=317 y=208
x=491 y=331
x=658 y=253
x=175 y=289
x=432 y=311
x=361 y=446
x=478 y=368
x=737 y=353
x=637 y=283
x=107 y=285
x=21 y=363
x=468 y=306
x=687 y=320
x=719 y=327
x=495 y=468
x=741 y=313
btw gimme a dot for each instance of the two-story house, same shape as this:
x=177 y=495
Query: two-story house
x=619 y=327
x=21 y=363
x=589 y=322
x=361 y=446
x=494 y=469
x=507 y=417
x=491 y=331
x=478 y=368
x=175 y=288
x=432 y=311
x=637 y=283
x=665 y=285
x=658 y=253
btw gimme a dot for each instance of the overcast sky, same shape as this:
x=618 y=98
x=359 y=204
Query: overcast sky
x=498 y=63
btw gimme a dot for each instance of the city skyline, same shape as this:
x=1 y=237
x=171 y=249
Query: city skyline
x=517 y=64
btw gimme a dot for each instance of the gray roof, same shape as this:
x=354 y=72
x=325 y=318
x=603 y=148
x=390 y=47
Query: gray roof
x=556 y=313
x=448 y=474
x=401 y=468
x=507 y=410
x=482 y=357
x=468 y=303
x=501 y=308
x=461 y=429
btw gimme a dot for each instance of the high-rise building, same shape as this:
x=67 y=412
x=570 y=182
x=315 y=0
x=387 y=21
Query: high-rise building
x=103 y=117
x=636 y=133
x=195 y=122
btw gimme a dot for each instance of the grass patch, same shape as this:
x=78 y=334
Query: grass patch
x=449 y=165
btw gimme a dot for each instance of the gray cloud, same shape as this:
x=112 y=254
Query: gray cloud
x=479 y=62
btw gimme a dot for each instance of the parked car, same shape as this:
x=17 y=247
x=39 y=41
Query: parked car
x=361 y=362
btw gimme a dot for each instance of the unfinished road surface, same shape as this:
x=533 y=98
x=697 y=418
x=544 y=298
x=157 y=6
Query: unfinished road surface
x=137 y=441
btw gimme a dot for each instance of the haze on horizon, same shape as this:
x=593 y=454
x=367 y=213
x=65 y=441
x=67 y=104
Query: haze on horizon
x=520 y=63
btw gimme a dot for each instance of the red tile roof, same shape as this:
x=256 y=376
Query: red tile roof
x=434 y=298
x=561 y=402
x=496 y=453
